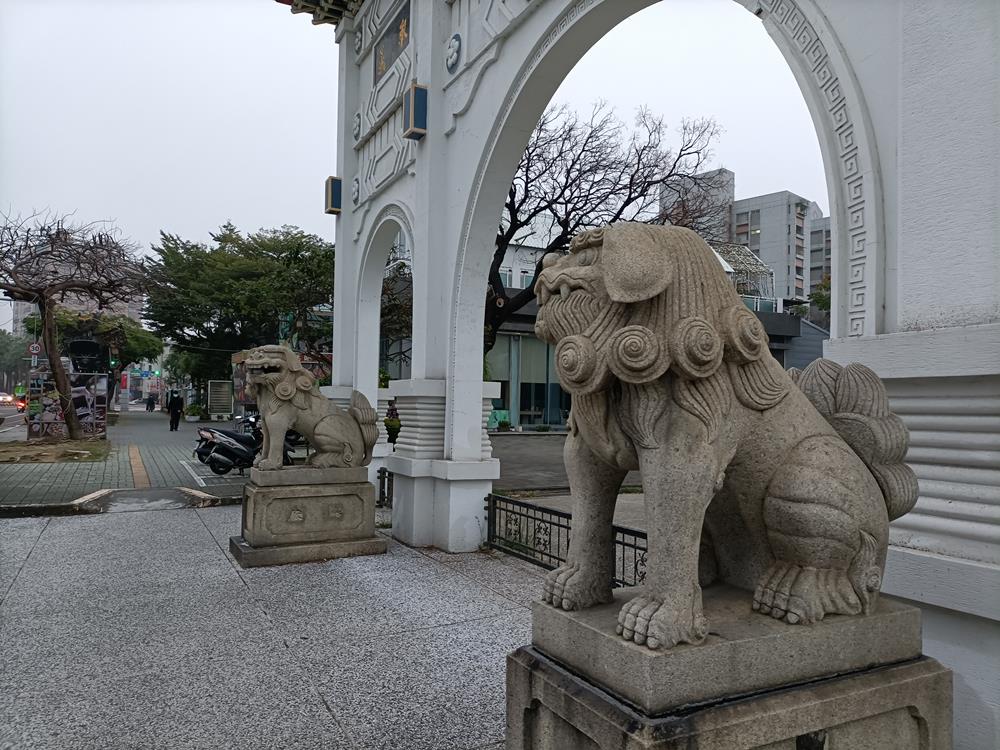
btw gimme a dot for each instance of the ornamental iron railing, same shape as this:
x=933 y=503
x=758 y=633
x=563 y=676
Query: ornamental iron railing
x=541 y=536
x=385 y=482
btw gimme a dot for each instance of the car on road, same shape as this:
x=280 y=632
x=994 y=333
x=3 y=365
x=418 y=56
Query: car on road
x=6 y=398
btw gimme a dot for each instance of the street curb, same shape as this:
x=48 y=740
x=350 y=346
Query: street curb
x=85 y=505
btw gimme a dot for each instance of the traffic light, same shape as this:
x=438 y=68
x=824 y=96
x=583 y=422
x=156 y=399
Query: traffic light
x=113 y=362
x=156 y=373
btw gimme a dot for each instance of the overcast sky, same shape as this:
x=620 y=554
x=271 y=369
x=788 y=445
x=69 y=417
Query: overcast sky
x=181 y=114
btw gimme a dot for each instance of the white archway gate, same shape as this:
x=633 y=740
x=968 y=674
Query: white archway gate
x=906 y=120
x=490 y=68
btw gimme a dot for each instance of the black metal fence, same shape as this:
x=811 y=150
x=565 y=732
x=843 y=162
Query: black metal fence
x=385 y=483
x=541 y=536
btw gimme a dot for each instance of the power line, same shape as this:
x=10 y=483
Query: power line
x=202 y=348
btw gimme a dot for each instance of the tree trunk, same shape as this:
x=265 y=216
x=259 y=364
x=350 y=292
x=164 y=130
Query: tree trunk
x=73 y=427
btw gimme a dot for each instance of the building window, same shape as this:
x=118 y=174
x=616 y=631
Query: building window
x=505 y=277
x=742 y=217
x=526 y=279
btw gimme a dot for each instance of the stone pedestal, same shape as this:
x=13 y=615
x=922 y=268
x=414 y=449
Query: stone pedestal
x=302 y=514
x=847 y=682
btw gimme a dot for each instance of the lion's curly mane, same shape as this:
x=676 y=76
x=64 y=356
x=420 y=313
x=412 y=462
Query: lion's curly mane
x=666 y=309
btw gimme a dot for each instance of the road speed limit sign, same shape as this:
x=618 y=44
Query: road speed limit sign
x=34 y=348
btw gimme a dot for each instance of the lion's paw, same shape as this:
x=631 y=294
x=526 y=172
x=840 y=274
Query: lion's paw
x=648 y=620
x=267 y=464
x=798 y=594
x=571 y=588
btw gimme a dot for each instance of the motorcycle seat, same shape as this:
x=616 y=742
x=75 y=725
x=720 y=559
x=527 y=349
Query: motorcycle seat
x=239 y=437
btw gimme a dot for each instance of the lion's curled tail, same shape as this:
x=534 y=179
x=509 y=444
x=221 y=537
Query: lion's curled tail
x=854 y=401
x=363 y=413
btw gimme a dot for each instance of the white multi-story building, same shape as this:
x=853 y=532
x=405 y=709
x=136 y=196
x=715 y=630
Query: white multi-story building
x=518 y=268
x=21 y=310
x=775 y=227
x=819 y=251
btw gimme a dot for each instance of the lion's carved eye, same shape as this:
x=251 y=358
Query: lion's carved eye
x=586 y=257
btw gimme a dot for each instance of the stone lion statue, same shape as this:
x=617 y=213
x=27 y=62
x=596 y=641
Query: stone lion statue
x=779 y=483
x=288 y=399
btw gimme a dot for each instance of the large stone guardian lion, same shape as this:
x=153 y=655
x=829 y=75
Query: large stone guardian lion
x=288 y=399
x=782 y=489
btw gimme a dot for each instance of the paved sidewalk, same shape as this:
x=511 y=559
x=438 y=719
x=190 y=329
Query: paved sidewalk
x=159 y=458
x=136 y=630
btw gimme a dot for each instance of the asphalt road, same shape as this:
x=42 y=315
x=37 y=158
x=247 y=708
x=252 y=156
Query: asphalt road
x=13 y=427
x=534 y=461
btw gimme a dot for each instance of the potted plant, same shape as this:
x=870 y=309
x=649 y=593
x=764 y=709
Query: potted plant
x=194 y=412
x=503 y=426
x=392 y=423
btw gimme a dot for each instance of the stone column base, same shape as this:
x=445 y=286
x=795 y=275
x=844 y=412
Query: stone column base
x=906 y=706
x=438 y=503
x=300 y=514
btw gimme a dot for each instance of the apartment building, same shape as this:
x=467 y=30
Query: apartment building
x=776 y=227
x=819 y=250
x=21 y=310
x=518 y=269
x=786 y=231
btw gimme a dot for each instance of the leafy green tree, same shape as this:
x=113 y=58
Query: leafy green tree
x=124 y=341
x=13 y=350
x=818 y=310
x=820 y=295
x=243 y=290
x=183 y=366
x=212 y=300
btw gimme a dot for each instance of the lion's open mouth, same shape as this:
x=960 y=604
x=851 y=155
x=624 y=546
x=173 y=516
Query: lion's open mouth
x=263 y=369
x=561 y=286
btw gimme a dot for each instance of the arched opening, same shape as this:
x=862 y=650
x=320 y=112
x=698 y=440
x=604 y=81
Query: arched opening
x=835 y=105
x=384 y=288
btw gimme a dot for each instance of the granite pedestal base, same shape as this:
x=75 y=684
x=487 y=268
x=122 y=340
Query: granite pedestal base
x=302 y=514
x=756 y=682
x=901 y=707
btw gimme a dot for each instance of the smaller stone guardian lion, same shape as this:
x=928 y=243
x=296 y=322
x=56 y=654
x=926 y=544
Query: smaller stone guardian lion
x=779 y=483
x=288 y=399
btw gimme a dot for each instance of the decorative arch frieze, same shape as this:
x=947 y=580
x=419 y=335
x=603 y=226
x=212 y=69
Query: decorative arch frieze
x=850 y=153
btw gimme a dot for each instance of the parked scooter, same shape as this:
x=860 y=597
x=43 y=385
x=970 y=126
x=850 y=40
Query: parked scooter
x=225 y=450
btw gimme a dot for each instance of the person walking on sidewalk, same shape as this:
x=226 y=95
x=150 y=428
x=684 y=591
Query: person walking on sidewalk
x=175 y=406
x=151 y=403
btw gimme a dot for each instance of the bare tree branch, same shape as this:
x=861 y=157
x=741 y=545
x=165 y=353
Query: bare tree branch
x=579 y=173
x=46 y=259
